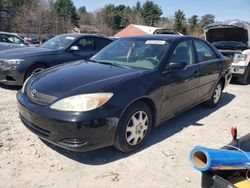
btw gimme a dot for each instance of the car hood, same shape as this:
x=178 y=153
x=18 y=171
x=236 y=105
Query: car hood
x=25 y=52
x=80 y=77
x=6 y=46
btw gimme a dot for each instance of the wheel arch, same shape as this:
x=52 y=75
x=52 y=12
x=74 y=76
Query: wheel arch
x=149 y=102
x=33 y=65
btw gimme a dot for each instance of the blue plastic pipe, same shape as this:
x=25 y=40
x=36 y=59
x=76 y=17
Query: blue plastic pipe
x=206 y=159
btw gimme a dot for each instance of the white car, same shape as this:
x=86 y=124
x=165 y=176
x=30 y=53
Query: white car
x=232 y=39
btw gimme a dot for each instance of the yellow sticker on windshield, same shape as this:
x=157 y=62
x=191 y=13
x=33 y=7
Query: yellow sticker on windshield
x=159 y=42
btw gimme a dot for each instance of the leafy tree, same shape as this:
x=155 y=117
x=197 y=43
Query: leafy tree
x=66 y=10
x=207 y=19
x=180 y=22
x=116 y=17
x=82 y=10
x=193 y=22
x=151 y=13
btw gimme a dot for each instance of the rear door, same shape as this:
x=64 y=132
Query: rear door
x=86 y=47
x=180 y=87
x=210 y=68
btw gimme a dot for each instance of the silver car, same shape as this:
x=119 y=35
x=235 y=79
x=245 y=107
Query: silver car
x=10 y=40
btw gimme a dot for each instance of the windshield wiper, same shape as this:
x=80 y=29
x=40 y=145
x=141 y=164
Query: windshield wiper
x=109 y=63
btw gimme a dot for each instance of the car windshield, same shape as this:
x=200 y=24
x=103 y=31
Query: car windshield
x=59 y=42
x=133 y=53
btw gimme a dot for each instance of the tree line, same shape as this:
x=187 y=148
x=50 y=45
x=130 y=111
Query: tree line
x=54 y=17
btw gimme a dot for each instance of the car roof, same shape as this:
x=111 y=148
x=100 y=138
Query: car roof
x=77 y=35
x=159 y=37
x=7 y=33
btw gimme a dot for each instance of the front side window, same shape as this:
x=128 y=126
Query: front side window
x=183 y=53
x=204 y=52
x=134 y=53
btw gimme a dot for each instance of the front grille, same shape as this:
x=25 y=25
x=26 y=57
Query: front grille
x=39 y=98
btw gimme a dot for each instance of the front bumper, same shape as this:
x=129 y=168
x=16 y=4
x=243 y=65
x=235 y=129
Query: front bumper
x=238 y=69
x=76 y=132
x=11 y=76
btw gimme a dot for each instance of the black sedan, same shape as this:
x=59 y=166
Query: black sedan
x=125 y=90
x=16 y=65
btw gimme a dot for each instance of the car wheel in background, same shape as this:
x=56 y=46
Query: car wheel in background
x=244 y=79
x=34 y=69
x=134 y=127
x=216 y=96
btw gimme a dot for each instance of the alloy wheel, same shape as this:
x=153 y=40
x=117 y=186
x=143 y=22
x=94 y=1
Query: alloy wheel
x=137 y=128
x=217 y=93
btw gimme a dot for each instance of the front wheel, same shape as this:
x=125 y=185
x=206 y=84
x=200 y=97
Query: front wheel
x=216 y=96
x=134 y=127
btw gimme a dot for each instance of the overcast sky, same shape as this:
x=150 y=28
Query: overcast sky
x=222 y=9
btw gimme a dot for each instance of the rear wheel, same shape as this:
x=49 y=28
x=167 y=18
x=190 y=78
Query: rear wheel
x=216 y=96
x=134 y=127
x=34 y=70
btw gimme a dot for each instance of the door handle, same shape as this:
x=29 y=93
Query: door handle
x=196 y=73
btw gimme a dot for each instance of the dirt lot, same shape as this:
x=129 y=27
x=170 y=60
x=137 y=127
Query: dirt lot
x=26 y=161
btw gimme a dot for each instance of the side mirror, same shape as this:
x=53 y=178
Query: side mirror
x=74 y=48
x=176 y=66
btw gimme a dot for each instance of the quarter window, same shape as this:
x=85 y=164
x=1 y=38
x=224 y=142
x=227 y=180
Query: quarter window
x=183 y=53
x=204 y=52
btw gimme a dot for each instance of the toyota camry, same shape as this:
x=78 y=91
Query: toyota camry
x=123 y=92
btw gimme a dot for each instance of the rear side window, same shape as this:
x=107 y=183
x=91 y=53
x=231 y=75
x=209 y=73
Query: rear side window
x=85 y=44
x=101 y=43
x=183 y=53
x=204 y=52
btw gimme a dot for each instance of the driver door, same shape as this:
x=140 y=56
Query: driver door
x=180 y=87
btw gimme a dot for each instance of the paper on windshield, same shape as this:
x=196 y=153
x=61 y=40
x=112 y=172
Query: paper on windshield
x=159 y=42
x=70 y=38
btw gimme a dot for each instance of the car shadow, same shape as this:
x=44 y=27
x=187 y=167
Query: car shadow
x=17 y=88
x=169 y=128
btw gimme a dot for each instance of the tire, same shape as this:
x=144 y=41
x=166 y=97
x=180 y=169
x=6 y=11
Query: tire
x=216 y=96
x=34 y=69
x=244 y=79
x=132 y=132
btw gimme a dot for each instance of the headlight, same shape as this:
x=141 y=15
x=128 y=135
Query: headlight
x=82 y=103
x=11 y=62
x=240 y=57
x=24 y=84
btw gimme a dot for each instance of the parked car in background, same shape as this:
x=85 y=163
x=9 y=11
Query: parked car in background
x=18 y=64
x=129 y=87
x=10 y=40
x=232 y=39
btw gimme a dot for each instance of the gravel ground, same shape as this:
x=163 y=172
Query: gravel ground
x=26 y=161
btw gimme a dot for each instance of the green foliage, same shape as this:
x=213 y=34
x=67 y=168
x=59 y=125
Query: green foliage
x=193 y=22
x=207 y=19
x=66 y=10
x=180 y=22
x=151 y=13
x=82 y=10
x=116 y=17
